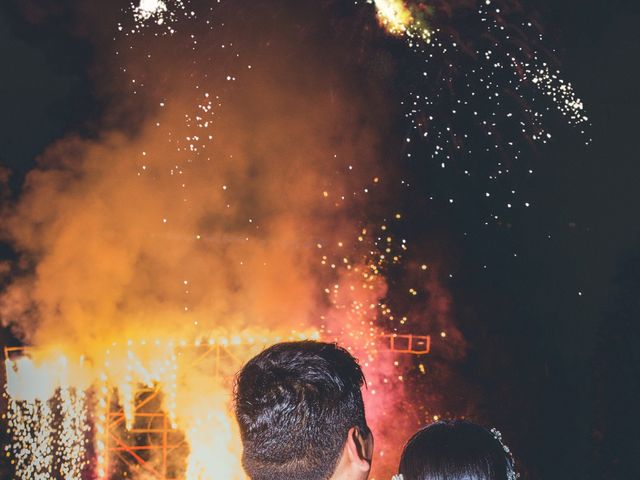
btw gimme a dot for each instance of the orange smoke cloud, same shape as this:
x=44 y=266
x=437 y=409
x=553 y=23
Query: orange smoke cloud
x=209 y=213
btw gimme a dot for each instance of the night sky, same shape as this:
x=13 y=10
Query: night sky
x=552 y=332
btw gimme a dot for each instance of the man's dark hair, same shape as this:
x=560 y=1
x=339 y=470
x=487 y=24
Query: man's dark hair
x=295 y=403
x=456 y=450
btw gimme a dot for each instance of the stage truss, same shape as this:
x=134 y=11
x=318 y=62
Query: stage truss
x=152 y=443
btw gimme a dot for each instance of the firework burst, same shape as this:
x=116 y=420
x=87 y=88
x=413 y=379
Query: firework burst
x=402 y=19
x=483 y=87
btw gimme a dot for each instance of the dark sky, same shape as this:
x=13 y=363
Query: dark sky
x=552 y=365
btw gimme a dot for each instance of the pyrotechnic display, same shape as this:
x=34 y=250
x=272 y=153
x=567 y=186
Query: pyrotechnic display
x=252 y=172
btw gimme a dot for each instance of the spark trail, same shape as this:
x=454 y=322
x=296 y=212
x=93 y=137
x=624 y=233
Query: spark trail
x=486 y=88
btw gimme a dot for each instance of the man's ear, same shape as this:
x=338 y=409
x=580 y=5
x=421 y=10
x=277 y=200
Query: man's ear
x=359 y=449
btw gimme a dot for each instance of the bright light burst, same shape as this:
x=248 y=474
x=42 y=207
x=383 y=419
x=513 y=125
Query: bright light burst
x=394 y=15
x=150 y=8
x=398 y=18
x=159 y=12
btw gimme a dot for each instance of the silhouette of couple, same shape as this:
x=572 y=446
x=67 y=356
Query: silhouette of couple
x=301 y=416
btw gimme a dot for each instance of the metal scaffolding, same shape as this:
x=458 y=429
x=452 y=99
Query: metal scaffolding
x=152 y=444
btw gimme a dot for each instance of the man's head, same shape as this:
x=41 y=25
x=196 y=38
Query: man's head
x=301 y=414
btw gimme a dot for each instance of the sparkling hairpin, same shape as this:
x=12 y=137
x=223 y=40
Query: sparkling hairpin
x=397 y=477
x=511 y=467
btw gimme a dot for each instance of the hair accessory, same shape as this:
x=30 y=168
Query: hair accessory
x=397 y=477
x=511 y=464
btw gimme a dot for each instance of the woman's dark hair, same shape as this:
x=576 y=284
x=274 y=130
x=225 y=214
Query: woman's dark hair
x=295 y=404
x=456 y=450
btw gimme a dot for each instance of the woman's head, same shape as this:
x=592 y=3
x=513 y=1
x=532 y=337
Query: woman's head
x=456 y=450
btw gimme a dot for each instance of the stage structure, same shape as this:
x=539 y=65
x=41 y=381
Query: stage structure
x=144 y=437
